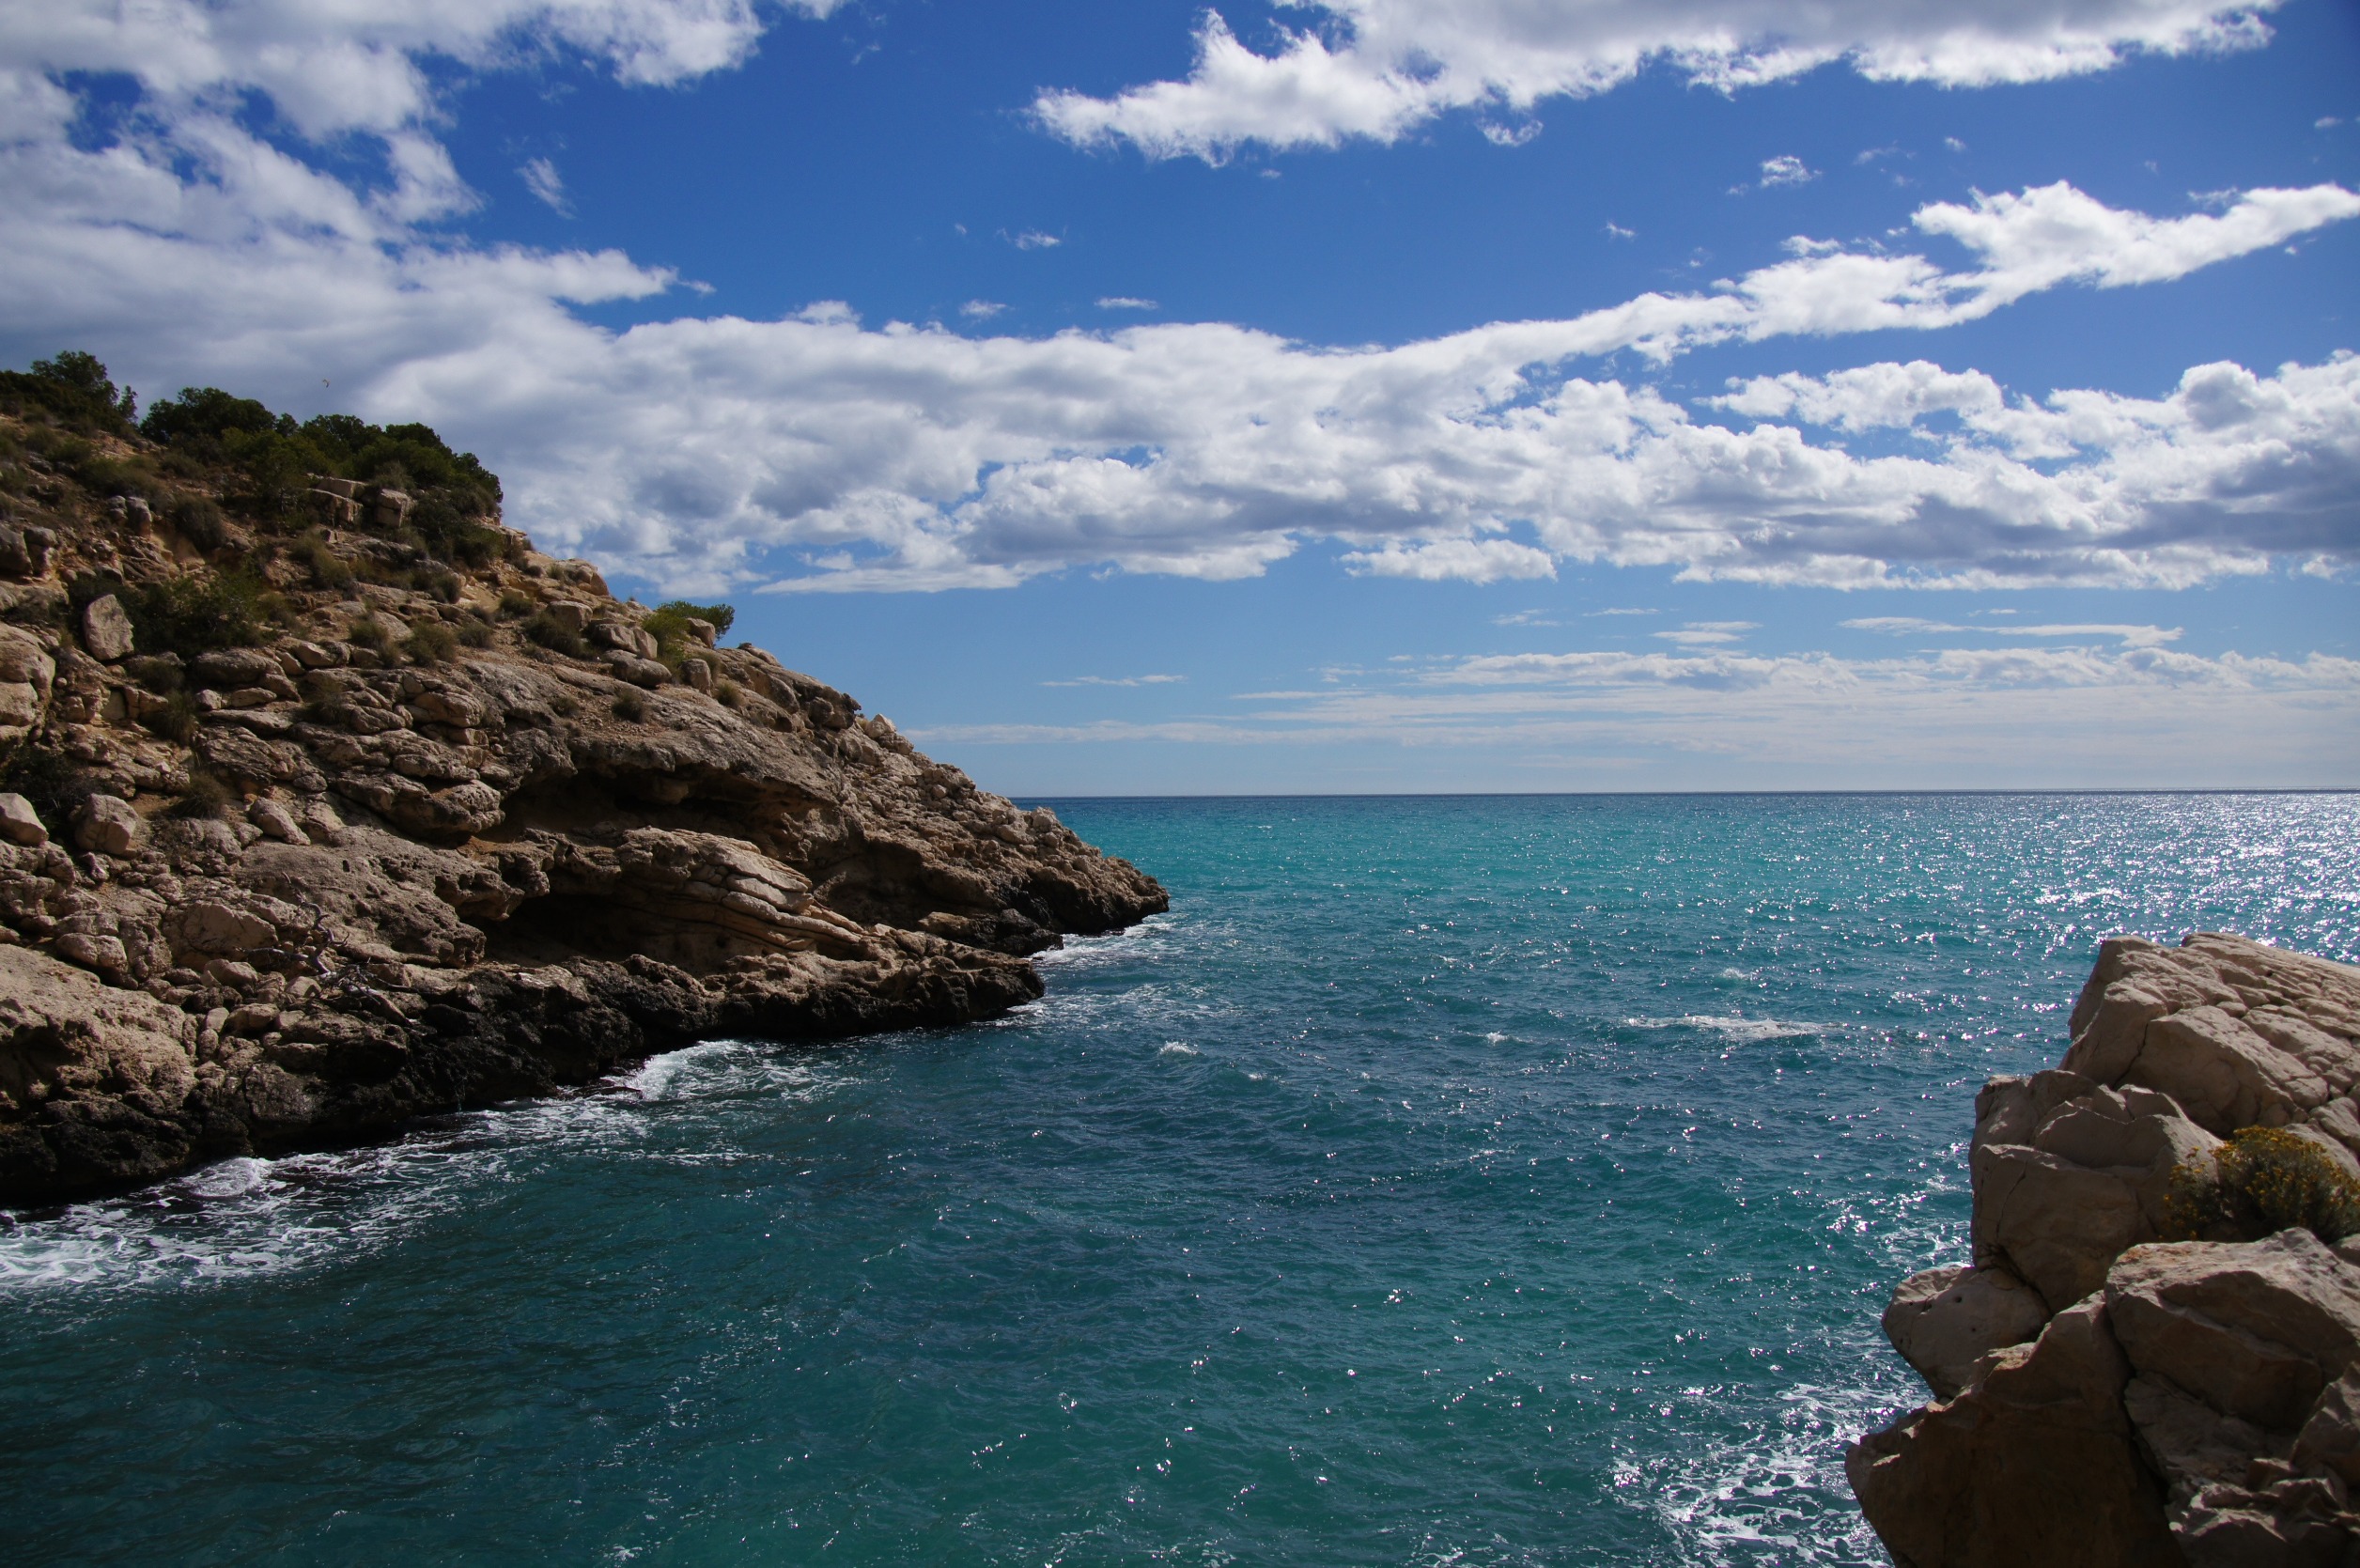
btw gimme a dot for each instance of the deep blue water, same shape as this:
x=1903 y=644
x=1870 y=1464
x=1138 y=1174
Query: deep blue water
x=1455 y=1180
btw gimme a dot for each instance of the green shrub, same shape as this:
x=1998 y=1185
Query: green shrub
x=205 y=795
x=728 y=692
x=368 y=631
x=514 y=604
x=475 y=632
x=73 y=389
x=54 y=783
x=176 y=719
x=317 y=556
x=2262 y=1181
x=630 y=704
x=669 y=621
x=430 y=642
x=200 y=522
x=192 y=614
x=554 y=635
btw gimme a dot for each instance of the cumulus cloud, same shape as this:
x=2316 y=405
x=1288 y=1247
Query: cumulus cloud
x=1786 y=169
x=813 y=452
x=1377 y=69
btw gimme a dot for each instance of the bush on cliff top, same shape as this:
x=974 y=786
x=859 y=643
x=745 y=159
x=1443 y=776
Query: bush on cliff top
x=276 y=458
x=2262 y=1181
x=73 y=390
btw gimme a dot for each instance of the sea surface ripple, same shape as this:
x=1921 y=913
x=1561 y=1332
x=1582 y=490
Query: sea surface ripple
x=1444 y=1181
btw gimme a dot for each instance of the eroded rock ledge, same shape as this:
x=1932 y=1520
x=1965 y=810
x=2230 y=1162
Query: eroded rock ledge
x=2105 y=1397
x=440 y=834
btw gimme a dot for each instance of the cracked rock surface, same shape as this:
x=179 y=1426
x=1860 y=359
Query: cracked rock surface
x=291 y=893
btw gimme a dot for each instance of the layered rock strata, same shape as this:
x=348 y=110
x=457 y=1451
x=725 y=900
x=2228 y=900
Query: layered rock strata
x=2104 y=1396
x=399 y=856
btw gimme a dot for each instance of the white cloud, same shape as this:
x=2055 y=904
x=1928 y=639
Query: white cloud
x=541 y=177
x=1376 y=69
x=1707 y=634
x=1786 y=169
x=1616 y=231
x=811 y=451
x=1121 y=680
x=1033 y=240
x=981 y=310
x=1948 y=717
x=1126 y=302
x=1913 y=626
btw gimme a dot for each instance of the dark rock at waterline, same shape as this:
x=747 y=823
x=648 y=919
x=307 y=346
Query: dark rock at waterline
x=440 y=834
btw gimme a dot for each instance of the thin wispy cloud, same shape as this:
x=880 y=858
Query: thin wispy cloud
x=541 y=177
x=981 y=310
x=1119 y=680
x=1035 y=240
x=1911 y=626
x=1126 y=302
x=1698 y=634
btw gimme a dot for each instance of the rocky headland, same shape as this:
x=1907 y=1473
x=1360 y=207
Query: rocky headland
x=327 y=800
x=2154 y=1357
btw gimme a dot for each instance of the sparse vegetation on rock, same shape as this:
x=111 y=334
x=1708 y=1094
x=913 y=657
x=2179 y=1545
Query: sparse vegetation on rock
x=326 y=798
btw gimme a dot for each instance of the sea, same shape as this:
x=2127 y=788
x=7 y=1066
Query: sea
x=1484 y=1180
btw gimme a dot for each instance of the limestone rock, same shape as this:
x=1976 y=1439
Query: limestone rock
x=2255 y=1329
x=1945 y=1320
x=482 y=876
x=106 y=629
x=2033 y=1466
x=109 y=826
x=108 y=1072
x=20 y=823
x=2231 y=1433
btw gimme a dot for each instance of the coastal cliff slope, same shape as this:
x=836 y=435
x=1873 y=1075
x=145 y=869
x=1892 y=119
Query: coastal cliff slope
x=2106 y=1394
x=329 y=800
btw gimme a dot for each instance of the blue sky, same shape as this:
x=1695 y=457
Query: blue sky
x=1386 y=395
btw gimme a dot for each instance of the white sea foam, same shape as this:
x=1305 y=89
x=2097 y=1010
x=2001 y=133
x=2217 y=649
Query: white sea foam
x=246 y=1216
x=1177 y=1047
x=1741 y=1031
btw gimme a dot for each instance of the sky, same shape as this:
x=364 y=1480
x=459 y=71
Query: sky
x=1352 y=397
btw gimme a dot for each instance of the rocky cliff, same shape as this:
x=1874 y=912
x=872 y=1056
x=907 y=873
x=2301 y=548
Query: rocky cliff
x=329 y=800
x=2106 y=1394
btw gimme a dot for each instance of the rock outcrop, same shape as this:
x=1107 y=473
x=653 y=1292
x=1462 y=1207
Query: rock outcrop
x=2103 y=1394
x=439 y=827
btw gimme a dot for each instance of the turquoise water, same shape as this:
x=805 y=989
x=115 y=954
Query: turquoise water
x=1443 y=1182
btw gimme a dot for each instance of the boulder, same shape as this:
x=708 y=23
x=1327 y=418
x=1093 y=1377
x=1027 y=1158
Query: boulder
x=2032 y=1466
x=107 y=628
x=2088 y=1179
x=2253 y=1330
x=107 y=825
x=20 y=823
x=276 y=821
x=1945 y=1320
